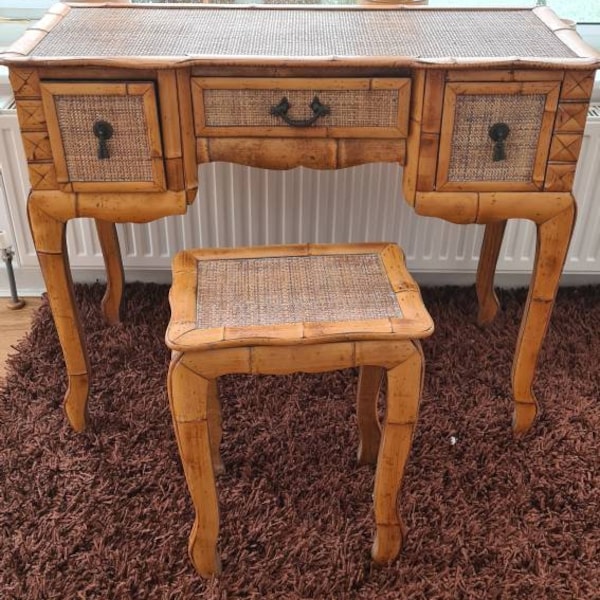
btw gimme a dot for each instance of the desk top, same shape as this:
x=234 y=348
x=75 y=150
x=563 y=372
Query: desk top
x=156 y=35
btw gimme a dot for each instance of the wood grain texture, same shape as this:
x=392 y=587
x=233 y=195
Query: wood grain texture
x=486 y=269
x=553 y=238
x=274 y=153
x=54 y=264
x=197 y=423
x=560 y=177
x=411 y=170
x=431 y=122
x=369 y=429
x=186 y=110
x=130 y=207
x=37 y=146
x=188 y=397
x=31 y=115
x=25 y=83
x=402 y=408
x=115 y=277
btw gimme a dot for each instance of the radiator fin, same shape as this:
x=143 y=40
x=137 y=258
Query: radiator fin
x=253 y=206
x=594 y=111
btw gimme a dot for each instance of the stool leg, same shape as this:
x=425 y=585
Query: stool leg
x=369 y=430
x=188 y=396
x=402 y=408
x=215 y=428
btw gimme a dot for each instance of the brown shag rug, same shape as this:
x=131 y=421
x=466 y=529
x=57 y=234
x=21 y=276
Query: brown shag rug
x=106 y=514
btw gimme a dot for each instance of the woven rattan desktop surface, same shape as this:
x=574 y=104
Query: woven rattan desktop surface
x=153 y=31
x=293 y=289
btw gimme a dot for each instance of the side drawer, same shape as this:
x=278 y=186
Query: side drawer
x=104 y=136
x=496 y=136
x=296 y=107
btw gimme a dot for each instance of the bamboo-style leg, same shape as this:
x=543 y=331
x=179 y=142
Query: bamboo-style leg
x=188 y=396
x=369 y=430
x=215 y=428
x=402 y=409
x=486 y=269
x=553 y=238
x=50 y=244
x=115 y=280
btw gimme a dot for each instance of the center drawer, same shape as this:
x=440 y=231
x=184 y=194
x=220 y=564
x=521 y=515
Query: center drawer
x=301 y=107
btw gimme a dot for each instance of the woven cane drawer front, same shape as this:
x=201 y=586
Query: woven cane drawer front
x=293 y=107
x=496 y=136
x=104 y=136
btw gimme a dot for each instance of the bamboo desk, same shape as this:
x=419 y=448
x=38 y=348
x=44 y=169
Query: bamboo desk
x=485 y=109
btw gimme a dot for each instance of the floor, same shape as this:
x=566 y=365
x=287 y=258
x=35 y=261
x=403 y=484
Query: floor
x=14 y=324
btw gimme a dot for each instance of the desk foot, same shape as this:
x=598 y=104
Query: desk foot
x=388 y=543
x=486 y=269
x=76 y=401
x=204 y=556
x=115 y=280
x=553 y=238
x=524 y=416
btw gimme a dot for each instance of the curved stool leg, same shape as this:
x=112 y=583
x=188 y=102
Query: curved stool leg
x=405 y=382
x=490 y=250
x=369 y=430
x=188 y=396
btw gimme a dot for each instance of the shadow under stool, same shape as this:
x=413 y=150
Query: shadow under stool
x=285 y=309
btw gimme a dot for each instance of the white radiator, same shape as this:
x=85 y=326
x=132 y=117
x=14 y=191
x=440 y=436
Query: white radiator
x=240 y=206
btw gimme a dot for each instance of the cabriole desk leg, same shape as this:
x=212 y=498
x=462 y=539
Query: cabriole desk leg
x=486 y=269
x=553 y=238
x=115 y=280
x=50 y=244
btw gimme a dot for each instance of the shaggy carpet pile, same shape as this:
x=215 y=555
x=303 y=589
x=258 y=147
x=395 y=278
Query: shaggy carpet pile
x=106 y=514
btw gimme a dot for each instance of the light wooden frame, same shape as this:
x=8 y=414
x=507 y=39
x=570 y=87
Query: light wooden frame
x=454 y=89
x=287 y=84
x=109 y=88
x=387 y=348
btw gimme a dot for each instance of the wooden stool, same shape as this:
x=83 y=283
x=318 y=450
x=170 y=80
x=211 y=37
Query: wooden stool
x=284 y=309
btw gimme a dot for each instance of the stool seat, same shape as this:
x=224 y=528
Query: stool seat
x=284 y=309
x=297 y=294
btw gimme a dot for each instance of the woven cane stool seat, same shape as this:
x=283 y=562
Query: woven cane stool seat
x=283 y=309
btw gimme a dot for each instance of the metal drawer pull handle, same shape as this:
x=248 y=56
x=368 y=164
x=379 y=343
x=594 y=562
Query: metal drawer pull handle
x=281 y=110
x=103 y=130
x=499 y=132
